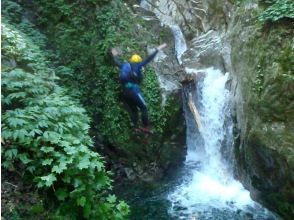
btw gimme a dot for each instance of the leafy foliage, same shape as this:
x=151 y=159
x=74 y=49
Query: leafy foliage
x=159 y=111
x=84 y=48
x=45 y=132
x=44 y=128
x=259 y=80
x=277 y=10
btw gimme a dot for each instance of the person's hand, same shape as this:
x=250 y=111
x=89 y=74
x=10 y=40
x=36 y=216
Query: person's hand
x=114 y=52
x=160 y=47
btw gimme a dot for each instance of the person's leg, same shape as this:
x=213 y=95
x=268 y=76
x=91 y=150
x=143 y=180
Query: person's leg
x=132 y=106
x=134 y=115
x=140 y=102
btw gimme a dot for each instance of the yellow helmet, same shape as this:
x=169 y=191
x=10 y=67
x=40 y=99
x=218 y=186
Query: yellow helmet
x=135 y=58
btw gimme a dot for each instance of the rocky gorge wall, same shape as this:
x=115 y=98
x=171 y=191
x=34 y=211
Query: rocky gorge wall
x=263 y=94
x=259 y=57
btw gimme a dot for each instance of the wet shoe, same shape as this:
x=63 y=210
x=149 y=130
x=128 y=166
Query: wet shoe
x=136 y=130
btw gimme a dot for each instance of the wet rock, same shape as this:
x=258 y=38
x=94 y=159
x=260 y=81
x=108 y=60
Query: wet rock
x=130 y=173
x=264 y=122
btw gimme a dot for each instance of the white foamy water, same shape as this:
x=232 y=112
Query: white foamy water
x=211 y=183
x=214 y=97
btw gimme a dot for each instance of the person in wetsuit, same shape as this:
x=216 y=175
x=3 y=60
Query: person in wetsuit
x=130 y=78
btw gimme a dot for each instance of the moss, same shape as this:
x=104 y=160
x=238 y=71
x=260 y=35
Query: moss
x=263 y=63
x=278 y=202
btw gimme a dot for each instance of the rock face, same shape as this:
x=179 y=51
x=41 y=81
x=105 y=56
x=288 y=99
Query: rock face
x=259 y=57
x=152 y=155
x=264 y=85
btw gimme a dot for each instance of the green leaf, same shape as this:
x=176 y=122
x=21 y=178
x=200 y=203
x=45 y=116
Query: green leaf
x=47 y=162
x=61 y=193
x=99 y=165
x=11 y=153
x=47 y=149
x=81 y=201
x=6 y=164
x=49 y=179
x=60 y=168
x=70 y=150
x=31 y=169
x=43 y=124
x=87 y=210
x=37 y=209
x=84 y=162
x=6 y=134
x=15 y=122
x=76 y=141
x=123 y=207
x=111 y=199
x=24 y=158
x=38 y=131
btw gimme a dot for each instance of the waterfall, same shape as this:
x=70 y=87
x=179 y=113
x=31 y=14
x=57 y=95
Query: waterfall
x=165 y=19
x=180 y=42
x=212 y=182
x=209 y=186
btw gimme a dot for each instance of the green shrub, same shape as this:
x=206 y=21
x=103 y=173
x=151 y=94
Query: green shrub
x=277 y=10
x=45 y=133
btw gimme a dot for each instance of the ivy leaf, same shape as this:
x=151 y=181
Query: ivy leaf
x=11 y=153
x=84 y=162
x=43 y=124
x=47 y=149
x=97 y=164
x=38 y=131
x=14 y=122
x=60 y=168
x=47 y=162
x=6 y=134
x=24 y=158
x=49 y=179
x=70 y=150
x=111 y=199
x=123 y=207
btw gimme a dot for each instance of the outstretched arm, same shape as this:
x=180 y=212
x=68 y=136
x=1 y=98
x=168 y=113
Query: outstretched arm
x=151 y=56
x=115 y=57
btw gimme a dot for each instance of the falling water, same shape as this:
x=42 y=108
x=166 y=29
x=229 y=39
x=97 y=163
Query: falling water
x=209 y=189
x=165 y=19
x=180 y=42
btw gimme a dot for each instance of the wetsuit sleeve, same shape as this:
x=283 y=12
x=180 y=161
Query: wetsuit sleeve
x=148 y=59
x=117 y=61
